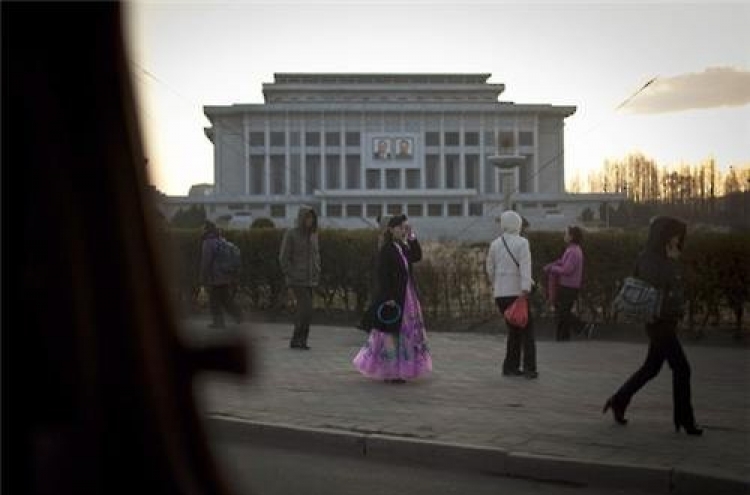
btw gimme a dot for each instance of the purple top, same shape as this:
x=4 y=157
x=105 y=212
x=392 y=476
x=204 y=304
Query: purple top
x=569 y=268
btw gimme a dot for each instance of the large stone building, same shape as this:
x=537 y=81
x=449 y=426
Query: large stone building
x=441 y=148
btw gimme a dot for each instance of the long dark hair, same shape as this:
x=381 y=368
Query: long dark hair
x=576 y=234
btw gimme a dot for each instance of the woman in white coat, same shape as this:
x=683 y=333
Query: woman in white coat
x=509 y=270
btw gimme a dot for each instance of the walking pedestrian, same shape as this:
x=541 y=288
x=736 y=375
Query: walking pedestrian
x=299 y=257
x=566 y=276
x=218 y=277
x=396 y=348
x=659 y=266
x=508 y=267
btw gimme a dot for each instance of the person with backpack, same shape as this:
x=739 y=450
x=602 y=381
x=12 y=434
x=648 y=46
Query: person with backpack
x=299 y=257
x=220 y=267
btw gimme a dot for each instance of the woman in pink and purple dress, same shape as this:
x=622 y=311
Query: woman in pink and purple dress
x=396 y=349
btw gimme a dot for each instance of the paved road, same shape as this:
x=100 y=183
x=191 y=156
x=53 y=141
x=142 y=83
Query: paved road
x=466 y=402
x=265 y=470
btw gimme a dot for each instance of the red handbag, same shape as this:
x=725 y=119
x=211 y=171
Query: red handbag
x=517 y=314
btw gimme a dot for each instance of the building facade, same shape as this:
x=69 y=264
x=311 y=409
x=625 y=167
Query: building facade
x=441 y=148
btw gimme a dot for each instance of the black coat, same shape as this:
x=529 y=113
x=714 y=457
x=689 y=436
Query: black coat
x=393 y=278
x=664 y=273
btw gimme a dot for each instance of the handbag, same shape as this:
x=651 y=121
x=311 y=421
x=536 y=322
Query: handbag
x=388 y=315
x=638 y=301
x=517 y=314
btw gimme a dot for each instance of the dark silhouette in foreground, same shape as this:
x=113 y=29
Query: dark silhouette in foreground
x=106 y=404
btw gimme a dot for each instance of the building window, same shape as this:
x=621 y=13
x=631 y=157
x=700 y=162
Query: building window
x=455 y=209
x=278 y=174
x=312 y=174
x=395 y=209
x=435 y=210
x=334 y=210
x=352 y=139
x=312 y=139
x=414 y=210
x=257 y=174
x=526 y=138
x=452 y=172
x=489 y=139
x=471 y=139
x=526 y=177
x=294 y=138
x=353 y=210
x=490 y=175
x=475 y=209
x=333 y=172
x=278 y=211
x=432 y=169
x=506 y=141
x=295 y=177
x=451 y=139
x=413 y=178
x=353 y=171
x=432 y=138
x=257 y=139
x=333 y=139
x=278 y=139
x=372 y=179
x=374 y=211
x=393 y=179
x=471 y=163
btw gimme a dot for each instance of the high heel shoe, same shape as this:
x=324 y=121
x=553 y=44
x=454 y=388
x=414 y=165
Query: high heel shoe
x=618 y=413
x=691 y=429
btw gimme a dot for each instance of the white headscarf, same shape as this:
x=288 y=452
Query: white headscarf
x=510 y=222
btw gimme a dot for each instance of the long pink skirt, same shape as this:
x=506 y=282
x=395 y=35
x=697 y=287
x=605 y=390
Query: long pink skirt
x=405 y=355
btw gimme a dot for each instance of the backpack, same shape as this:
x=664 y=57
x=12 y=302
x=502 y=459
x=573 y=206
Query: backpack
x=638 y=301
x=227 y=259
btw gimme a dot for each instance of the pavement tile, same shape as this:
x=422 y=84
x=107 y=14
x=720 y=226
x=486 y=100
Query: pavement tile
x=466 y=401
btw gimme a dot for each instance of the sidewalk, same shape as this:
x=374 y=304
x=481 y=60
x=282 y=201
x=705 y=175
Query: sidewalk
x=467 y=415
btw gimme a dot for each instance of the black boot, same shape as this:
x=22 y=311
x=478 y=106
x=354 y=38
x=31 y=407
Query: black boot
x=296 y=342
x=618 y=410
x=688 y=423
x=303 y=337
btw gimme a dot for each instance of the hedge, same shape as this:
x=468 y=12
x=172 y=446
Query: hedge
x=451 y=278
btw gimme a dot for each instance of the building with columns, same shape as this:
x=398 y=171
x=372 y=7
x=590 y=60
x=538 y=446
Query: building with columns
x=442 y=148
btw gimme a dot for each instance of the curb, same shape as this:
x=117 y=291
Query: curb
x=485 y=460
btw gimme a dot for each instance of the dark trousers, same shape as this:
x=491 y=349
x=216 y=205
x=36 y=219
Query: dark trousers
x=303 y=295
x=566 y=320
x=220 y=299
x=663 y=346
x=519 y=341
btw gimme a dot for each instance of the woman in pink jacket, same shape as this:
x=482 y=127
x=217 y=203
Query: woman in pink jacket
x=566 y=274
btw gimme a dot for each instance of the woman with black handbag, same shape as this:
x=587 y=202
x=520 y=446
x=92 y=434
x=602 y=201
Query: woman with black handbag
x=396 y=348
x=658 y=265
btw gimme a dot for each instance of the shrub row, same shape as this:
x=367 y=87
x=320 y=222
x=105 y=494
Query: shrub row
x=451 y=277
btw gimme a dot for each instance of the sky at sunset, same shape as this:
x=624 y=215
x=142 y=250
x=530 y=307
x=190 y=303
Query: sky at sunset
x=595 y=56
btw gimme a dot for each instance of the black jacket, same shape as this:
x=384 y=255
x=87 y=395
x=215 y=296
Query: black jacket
x=393 y=278
x=662 y=272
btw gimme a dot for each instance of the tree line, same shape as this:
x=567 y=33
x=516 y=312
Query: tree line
x=699 y=192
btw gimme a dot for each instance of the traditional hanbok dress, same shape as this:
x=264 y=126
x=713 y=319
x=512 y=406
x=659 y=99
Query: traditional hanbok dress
x=398 y=355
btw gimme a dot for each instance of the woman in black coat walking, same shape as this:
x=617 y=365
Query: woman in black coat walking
x=658 y=265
